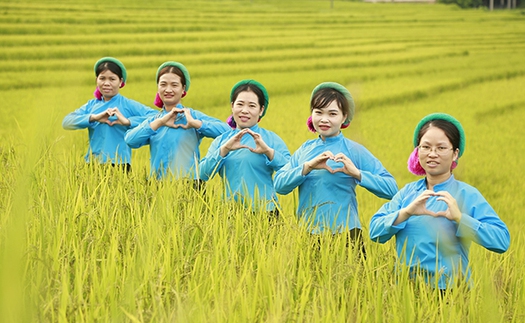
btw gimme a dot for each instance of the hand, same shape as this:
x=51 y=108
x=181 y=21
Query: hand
x=104 y=117
x=417 y=207
x=260 y=146
x=167 y=120
x=452 y=212
x=348 y=168
x=318 y=162
x=121 y=120
x=233 y=143
x=190 y=121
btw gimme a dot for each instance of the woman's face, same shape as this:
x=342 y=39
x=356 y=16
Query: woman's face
x=327 y=121
x=436 y=153
x=108 y=84
x=246 y=109
x=170 y=89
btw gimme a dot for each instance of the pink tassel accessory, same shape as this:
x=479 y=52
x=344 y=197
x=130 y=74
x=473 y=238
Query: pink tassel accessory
x=345 y=125
x=122 y=85
x=413 y=163
x=231 y=122
x=158 y=101
x=454 y=165
x=310 y=124
x=183 y=94
x=97 y=94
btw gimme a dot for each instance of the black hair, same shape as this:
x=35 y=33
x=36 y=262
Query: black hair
x=323 y=97
x=109 y=66
x=250 y=87
x=172 y=69
x=448 y=128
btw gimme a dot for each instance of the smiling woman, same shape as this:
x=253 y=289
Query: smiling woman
x=328 y=169
x=247 y=156
x=174 y=134
x=108 y=116
x=435 y=219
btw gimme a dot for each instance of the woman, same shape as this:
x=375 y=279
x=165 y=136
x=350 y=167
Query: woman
x=108 y=116
x=436 y=218
x=328 y=168
x=174 y=134
x=247 y=157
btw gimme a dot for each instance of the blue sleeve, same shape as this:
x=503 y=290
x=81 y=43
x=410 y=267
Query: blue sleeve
x=212 y=162
x=140 y=135
x=382 y=226
x=375 y=178
x=141 y=113
x=481 y=224
x=211 y=127
x=281 y=154
x=78 y=119
x=289 y=176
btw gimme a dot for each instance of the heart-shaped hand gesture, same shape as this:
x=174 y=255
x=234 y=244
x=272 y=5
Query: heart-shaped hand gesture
x=419 y=207
x=234 y=143
x=452 y=212
x=190 y=121
x=169 y=119
x=111 y=116
x=348 y=168
x=319 y=162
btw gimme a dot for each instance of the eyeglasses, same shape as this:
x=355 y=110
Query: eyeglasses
x=440 y=150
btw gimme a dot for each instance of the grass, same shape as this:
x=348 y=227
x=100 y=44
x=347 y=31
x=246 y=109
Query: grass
x=83 y=243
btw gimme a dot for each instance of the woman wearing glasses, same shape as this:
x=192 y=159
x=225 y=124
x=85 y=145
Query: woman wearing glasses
x=436 y=218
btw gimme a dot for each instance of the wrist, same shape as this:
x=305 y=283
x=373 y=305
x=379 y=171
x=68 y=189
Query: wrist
x=306 y=168
x=155 y=124
x=224 y=151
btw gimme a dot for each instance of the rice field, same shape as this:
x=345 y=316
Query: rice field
x=80 y=243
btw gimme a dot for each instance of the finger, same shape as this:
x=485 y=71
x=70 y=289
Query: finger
x=240 y=134
x=324 y=156
x=188 y=115
x=437 y=214
x=328 y=168
x=443 y=194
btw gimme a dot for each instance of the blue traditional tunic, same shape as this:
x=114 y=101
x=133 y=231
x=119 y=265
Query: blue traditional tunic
x=175 y=151
x=248 y=175
x=328 y=201
x=106 y=143
x=435 y=245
